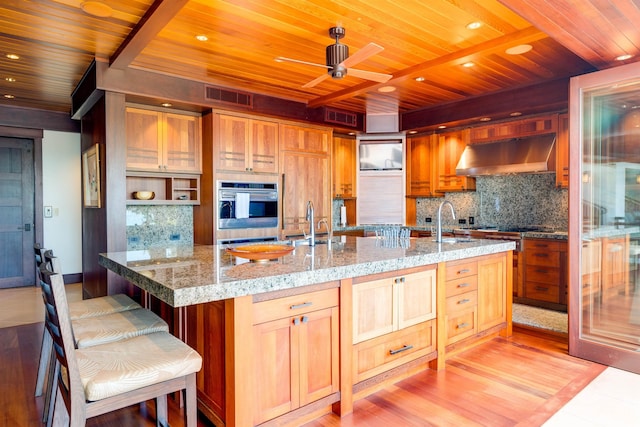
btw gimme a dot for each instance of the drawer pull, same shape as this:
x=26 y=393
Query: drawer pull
x=463 y=325
x=540 y=270
x=541 y=255
x=464 y=301
x=541 y=288
x=401 y=349
x=464 y=270
x=541 y=245
x=303 y=305
x=464 y=285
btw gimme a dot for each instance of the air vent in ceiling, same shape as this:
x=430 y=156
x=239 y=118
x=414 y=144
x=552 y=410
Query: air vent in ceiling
x=340 y=117
x=213 y=93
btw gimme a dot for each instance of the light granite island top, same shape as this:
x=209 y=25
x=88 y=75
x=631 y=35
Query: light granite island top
x=183 y=276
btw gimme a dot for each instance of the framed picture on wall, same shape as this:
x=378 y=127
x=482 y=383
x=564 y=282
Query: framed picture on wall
x=91 y=177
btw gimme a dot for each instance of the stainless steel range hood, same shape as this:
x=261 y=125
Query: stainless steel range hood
x=519 y=155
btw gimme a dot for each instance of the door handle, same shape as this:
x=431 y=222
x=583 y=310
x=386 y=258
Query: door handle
x=27 y=227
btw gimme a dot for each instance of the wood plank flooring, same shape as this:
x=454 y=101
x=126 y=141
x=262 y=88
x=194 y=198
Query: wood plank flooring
x=519 y=381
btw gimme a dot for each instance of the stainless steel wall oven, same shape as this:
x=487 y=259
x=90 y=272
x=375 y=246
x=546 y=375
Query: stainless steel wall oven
x=247 y=204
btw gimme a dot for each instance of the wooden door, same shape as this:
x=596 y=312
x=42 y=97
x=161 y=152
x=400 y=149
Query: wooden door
x=144 y=139
x=182 y=143
x=492 y=285
x=232 y=143
x=263 y=148
x=318 y=348
x=17 y=186
x=416 y=298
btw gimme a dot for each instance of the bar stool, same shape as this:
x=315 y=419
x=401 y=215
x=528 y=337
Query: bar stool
x=96 y=380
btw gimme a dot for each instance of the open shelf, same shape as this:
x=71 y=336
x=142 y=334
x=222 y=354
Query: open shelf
x=169 y=189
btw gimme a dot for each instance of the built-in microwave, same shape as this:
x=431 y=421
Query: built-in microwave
x=247 y=204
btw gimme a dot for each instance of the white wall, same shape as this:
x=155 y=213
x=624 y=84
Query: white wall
x=61 y=190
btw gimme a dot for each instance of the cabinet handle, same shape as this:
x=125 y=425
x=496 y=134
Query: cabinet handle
x=399 y=280
x=541 y=245
x=541 y=271
x=541 y=288
x=464 y=270
x=464 y=285
x=296 y=321
x=541 y=255
x=297 y=306
x=464 y=301
x=462 y=325
x=401 y=349
x=305 y=319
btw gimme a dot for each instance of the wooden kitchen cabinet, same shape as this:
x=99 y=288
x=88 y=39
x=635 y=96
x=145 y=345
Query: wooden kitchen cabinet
x=591 y=268
x=305 y=167
x=344 y=167
x=420 y=155
x=545 y=271
x=492 y=298
x=515 y=129
x=159 y=141
x=393 y=321
x=562 y=152
x=449 y=147
x=615 y=266
x=246 y=145
x=296 y=348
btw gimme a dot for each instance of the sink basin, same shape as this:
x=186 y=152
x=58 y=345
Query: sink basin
x=456 y=240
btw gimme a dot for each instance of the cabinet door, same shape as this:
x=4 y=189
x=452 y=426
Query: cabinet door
x=144 y=140
x=562 y=152
x=182 y=144
x=306 y=177
x=450 y=147
x=615 y=266
x=276 y=369
x=492 y=298
x=300 y=138
x=318 y=349
x=263 y=147
x=233 y=137
x=344 y=167
x=419 y=166
x=416 y=298
x=373 y=309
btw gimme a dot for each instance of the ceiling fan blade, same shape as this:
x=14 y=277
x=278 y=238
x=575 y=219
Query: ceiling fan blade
x=364 y=53
x=297 y=61
x=369 y=75
x=317 y=80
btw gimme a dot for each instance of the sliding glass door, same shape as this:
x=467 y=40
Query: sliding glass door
x=604 y=217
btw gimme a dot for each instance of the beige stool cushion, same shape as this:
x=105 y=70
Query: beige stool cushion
x=122 y=366
x=101 y=306
x=92 y=331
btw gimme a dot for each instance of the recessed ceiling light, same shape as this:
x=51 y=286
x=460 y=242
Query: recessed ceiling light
x=519 y=50
x=12 y=56
x=352 y=133
x=623 y=57
x=202 y=38
x=411 y=132
x=96 y=8
x=166 y=104
x=442 y=127
x=10 y=79
x=9 y=96
x=386 y=89
x=485 y=119
x=468 y=64
x=474 y=25
x=419 y=79
x=515 y=114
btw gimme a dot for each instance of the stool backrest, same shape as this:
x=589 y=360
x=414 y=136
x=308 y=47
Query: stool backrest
x=52 y=262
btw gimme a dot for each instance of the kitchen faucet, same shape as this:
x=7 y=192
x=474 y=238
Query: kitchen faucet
x=439 y=225
x=312 y=230
x=329 y=232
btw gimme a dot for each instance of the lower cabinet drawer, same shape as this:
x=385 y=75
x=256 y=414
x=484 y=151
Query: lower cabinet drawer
x=541 y=274
x=462 y=302
x=461 y=325
x=542 y=291
x=377 y=355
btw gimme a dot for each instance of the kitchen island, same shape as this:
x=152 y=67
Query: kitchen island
x=288 y=340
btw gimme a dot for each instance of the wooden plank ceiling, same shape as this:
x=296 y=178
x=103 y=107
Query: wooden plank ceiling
x=56 y=41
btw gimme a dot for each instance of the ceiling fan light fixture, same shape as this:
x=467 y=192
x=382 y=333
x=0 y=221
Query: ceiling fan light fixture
x=96 y=8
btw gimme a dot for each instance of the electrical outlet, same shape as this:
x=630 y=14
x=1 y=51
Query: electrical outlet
x=427 y=220
x=462 y=221
x=133 y=239
x=174 y=237
x=472 y=220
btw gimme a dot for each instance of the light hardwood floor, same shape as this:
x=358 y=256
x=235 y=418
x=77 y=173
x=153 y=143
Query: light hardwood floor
x=523 y=380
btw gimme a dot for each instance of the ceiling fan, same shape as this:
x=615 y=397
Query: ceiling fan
x=339 y=62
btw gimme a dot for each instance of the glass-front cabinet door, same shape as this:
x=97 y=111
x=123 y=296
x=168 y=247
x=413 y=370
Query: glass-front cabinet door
x=604 y=217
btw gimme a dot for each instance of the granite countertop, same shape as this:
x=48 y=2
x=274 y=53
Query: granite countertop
x=182 y=276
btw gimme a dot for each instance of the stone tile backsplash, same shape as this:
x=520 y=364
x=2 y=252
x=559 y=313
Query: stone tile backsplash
x=150 y=226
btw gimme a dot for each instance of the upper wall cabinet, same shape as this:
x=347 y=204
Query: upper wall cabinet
x=344 y=167
x=420 y=167
x=450 y=146
x=246 y=145
x=307 y=139
x=163 y=142
x=562 y=152
x=515 y=129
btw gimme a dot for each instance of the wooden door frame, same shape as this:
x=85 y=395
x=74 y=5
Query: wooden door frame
x=36 y=136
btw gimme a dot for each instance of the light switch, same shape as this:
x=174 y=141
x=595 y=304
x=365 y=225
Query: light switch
x=48 y=211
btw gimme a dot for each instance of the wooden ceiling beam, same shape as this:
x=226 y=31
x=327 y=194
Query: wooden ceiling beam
x=527 y=35
x=154 y=20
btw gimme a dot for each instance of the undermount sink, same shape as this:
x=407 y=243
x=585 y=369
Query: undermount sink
x=456 y=240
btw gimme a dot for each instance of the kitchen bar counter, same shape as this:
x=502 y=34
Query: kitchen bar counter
x=184 y=276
